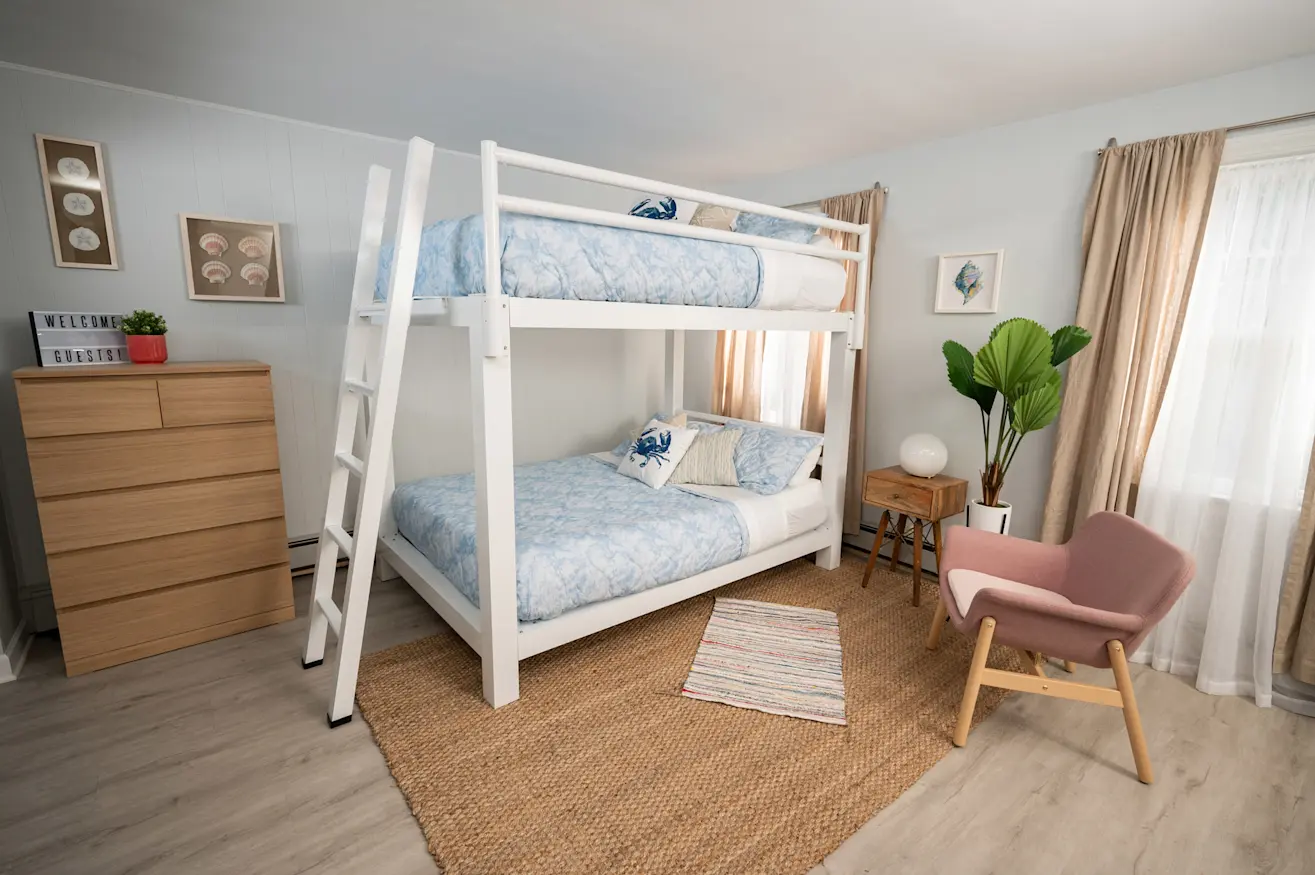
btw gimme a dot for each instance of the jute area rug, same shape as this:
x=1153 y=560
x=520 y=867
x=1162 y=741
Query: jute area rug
x=602 y=766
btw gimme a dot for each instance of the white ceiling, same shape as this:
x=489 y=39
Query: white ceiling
x=699 y=90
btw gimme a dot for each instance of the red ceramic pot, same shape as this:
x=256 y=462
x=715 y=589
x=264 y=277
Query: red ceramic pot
x=147 y=349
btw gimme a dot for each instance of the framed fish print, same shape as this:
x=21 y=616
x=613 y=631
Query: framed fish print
x=77 y=203
x=232 y=259
x=969 y=282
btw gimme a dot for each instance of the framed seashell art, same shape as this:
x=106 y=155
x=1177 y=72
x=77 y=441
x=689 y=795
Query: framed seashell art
x=969 y=282
x=232 y=259
x=77 y=203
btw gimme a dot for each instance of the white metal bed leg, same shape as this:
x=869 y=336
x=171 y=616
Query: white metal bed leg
x=835 y=456
x=495 y=521
x=673 y=398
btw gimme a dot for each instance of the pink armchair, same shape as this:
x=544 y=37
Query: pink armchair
x=1090 y=601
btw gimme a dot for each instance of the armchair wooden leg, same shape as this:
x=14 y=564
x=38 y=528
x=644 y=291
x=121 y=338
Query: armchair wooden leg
x=1031 y=662
x=969 y=703
x=876 y=545
x=1070 y=666
x=937 y=624
x=1131 y=717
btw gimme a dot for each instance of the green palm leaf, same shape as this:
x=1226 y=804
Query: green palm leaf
x=1036 y=409
x=959 y=367
x=1068 y=342
x=1017 y=354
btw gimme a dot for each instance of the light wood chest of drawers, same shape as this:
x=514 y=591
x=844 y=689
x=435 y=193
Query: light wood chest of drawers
x=161 y=504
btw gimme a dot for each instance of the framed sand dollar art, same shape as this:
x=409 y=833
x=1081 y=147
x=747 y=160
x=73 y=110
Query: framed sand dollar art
x=77 y=203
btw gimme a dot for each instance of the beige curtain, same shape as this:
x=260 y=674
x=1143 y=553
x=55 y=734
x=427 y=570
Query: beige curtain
x=862 y=208
x=737 y=374
x=1145 y=218
x=1294 y=644
x=737 y=368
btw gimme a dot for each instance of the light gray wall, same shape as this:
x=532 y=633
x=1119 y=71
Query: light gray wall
x=1022 y=188
x=574 y=391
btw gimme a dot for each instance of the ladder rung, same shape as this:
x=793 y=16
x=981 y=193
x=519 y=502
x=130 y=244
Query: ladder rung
x=351 y=463
x=365 y=390
x=331 y=613
x=344 y=540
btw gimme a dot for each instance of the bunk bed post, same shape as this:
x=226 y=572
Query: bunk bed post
x=495 y=501
x=673 y=397
x=835 y=456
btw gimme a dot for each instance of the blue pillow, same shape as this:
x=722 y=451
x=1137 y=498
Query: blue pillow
x=766 y=458
x=661 y=208
x=770 y=226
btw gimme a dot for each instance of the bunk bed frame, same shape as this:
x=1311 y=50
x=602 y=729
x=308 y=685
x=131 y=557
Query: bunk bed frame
x=371 y=378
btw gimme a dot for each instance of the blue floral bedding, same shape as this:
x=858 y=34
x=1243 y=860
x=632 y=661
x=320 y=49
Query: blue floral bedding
x=550 y=258
x=584 y=533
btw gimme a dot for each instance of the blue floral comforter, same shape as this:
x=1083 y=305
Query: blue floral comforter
x=550 y=258
x=584 y=533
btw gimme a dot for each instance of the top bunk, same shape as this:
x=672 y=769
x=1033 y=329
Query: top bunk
x=564 y=266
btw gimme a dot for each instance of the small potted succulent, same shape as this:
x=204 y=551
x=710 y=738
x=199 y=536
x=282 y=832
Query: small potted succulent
x=145 y=331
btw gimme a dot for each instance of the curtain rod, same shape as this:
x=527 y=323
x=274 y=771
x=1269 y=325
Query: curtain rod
x=1280 y=120
x=817 y=203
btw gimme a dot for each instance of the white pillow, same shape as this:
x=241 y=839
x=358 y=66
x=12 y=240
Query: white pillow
x=710 y=460
x=657 y=451
x=806 y=467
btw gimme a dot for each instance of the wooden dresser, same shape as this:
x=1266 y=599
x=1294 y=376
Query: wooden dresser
x=161 y=504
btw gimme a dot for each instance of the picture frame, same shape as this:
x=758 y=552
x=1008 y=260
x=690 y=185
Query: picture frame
x=232 y=259
x=959 y=273
x=78 y=208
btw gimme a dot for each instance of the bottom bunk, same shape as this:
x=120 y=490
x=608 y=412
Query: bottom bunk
x=594 y=547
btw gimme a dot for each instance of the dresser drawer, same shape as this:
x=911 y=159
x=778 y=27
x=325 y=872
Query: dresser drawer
x=61 y=407
x=132 y=622
x=93 y=462
x=99 y=518
x=133 y=567
x=206 y=400
x=903 y=497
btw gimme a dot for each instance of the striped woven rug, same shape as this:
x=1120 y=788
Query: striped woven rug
x=773 y=658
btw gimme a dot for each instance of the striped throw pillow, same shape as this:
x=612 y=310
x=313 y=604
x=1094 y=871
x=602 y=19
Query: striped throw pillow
x=710 y=460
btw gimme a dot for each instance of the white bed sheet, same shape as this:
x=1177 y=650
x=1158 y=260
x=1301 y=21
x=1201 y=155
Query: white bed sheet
x=791 y=281
x=770 y=519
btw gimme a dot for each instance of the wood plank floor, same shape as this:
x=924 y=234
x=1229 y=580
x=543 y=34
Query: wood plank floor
x=216 y=759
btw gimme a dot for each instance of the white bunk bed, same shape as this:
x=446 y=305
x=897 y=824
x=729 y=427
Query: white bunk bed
x=372 y=366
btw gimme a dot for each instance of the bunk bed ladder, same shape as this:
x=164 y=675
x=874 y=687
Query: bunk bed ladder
x=376 y=380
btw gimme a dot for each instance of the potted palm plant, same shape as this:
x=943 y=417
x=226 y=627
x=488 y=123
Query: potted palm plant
x=1020 y=362
x=145 y=331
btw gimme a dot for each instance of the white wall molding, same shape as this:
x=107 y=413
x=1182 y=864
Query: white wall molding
x=15 y=653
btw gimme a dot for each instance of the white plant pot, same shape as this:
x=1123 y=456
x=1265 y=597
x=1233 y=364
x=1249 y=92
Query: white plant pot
x=990 y=519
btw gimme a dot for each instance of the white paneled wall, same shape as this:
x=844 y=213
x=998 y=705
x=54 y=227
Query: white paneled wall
x=574 y=391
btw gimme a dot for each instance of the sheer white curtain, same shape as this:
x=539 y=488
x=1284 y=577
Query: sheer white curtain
x=1227 y=461
x=784 y=377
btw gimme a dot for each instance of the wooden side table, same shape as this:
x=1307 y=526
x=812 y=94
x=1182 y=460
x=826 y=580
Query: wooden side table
x=922 y=499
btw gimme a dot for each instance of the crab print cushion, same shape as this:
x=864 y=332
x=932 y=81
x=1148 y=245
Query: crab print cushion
x=656 y=452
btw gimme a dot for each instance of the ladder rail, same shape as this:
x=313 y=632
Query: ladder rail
x=379 y=431
x=355 y=349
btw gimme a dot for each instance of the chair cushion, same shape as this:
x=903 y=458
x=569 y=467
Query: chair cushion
x=965 y=584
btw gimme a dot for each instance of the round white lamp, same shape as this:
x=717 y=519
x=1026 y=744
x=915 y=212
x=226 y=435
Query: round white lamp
x=923 y=455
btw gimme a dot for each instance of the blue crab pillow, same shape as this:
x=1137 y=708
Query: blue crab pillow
x=663 y=208
x=766 y=458
x=656 y=452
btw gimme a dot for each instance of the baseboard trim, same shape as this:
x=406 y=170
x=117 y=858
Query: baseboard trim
x=11 y=661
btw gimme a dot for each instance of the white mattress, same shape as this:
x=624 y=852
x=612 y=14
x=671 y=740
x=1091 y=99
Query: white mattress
x=791 y=281
x=770 y=519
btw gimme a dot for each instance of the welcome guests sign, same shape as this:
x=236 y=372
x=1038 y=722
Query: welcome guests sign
x=78 y=338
